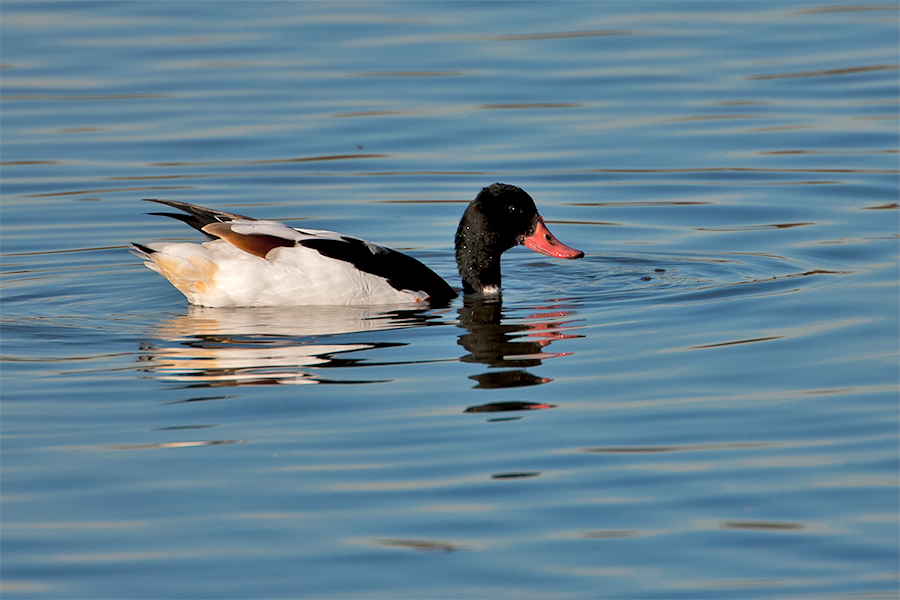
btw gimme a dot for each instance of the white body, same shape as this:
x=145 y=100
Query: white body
x=218 y=274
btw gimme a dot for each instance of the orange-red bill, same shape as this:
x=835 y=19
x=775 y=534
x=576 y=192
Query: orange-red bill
x=546 y=243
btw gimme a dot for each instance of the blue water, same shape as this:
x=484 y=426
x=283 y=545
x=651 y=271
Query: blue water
x=705 y=406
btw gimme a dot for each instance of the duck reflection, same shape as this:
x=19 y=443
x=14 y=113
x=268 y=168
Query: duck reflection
x=220 y=347
x=511 y=343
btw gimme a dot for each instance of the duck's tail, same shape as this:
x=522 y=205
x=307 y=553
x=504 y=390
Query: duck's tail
x=197 y=217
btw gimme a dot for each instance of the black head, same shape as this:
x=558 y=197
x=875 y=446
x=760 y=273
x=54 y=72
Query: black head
x=502 y=214
x=500 y=217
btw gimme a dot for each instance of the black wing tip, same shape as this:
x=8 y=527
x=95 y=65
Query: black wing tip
x=189 y=219
x=188 y=208
x=195 y=216
x=172 y=203
x=142 y=248
x=207 y=215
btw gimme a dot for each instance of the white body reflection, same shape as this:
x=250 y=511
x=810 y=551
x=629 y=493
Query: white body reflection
x=227 y=347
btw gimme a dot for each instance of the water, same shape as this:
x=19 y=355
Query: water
x=705 y=406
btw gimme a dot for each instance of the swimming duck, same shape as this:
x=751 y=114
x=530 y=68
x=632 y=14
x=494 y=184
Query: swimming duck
x=249 y=262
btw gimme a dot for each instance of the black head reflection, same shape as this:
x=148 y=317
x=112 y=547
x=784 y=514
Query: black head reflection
x=510 y=343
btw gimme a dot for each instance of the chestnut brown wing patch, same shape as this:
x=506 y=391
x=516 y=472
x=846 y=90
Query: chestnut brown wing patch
x=257 y=244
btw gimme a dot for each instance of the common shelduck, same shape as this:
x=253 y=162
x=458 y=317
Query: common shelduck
x=249 y=262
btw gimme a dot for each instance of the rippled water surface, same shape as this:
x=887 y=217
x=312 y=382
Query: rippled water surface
x=705 y=406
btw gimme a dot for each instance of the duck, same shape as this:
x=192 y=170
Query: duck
x=248 y=262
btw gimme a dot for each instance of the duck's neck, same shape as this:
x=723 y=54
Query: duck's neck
x=478 y=260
